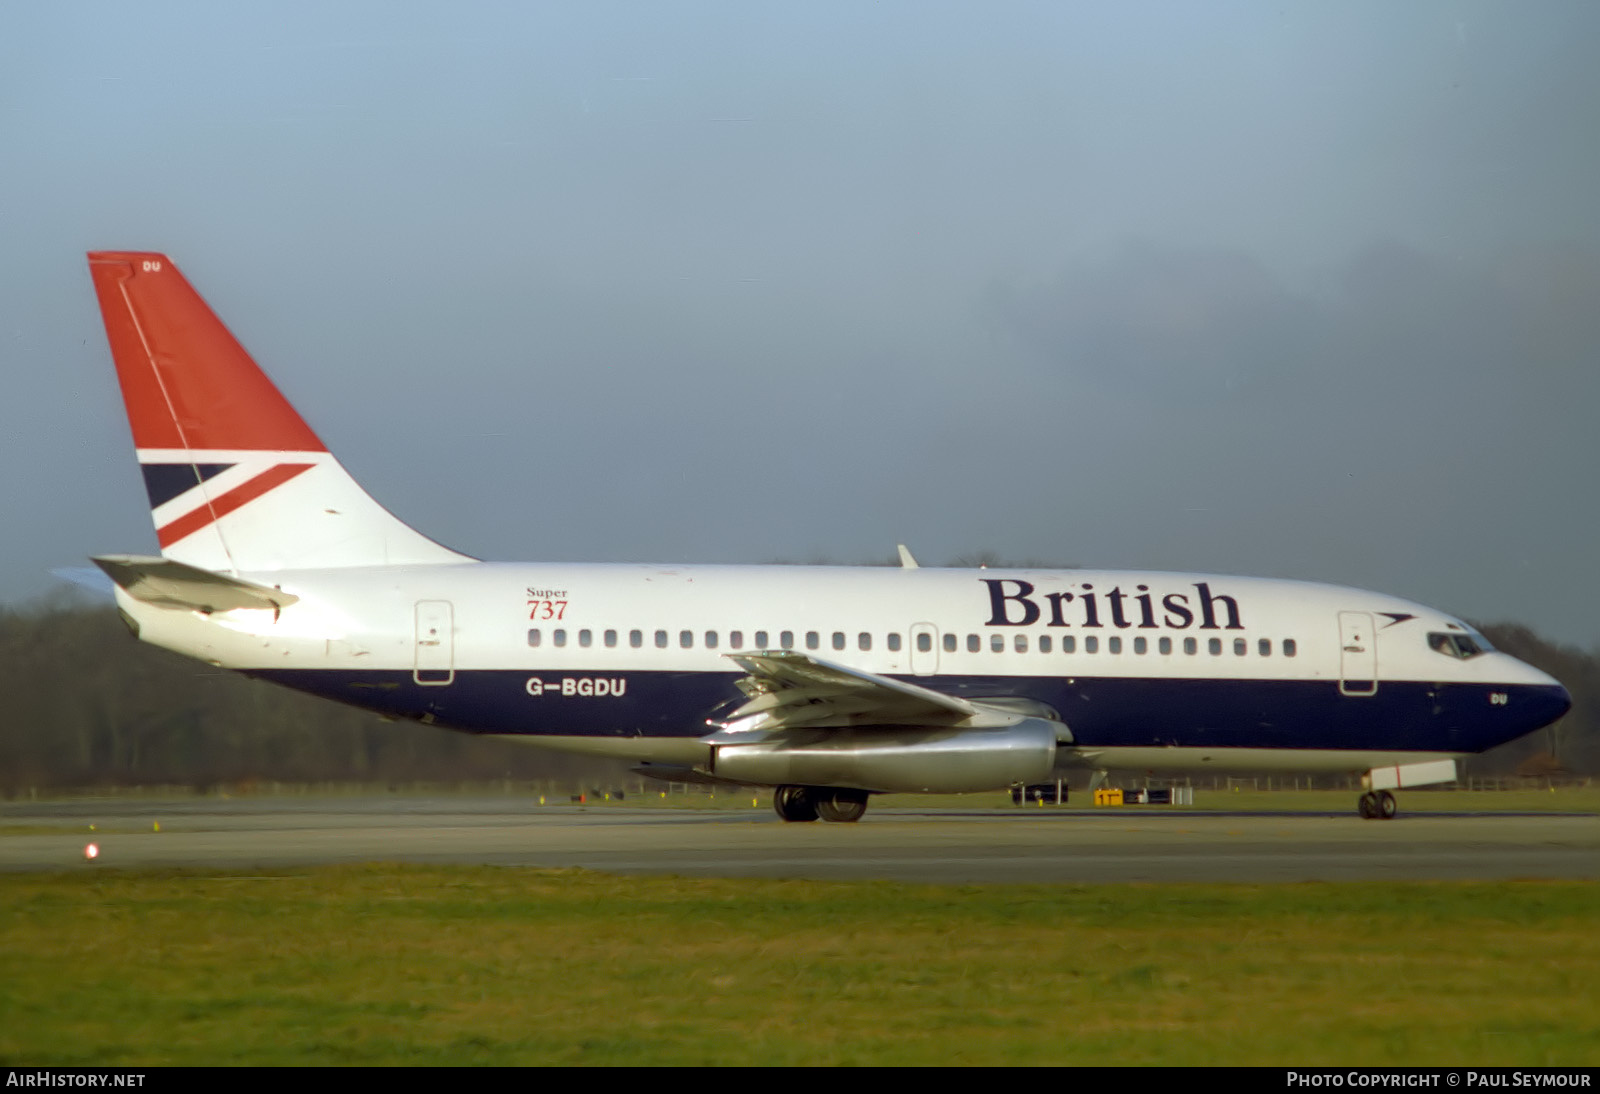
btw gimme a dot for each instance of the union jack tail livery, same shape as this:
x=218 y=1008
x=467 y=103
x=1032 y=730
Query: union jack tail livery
x=237 y=480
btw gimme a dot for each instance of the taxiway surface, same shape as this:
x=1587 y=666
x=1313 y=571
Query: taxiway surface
x=988 y=846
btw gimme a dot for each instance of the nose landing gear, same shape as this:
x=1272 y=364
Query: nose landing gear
x=1377 y=805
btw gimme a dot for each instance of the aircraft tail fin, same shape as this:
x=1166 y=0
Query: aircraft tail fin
x=237 y=481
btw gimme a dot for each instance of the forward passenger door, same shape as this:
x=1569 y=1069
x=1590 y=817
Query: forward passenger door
x=1358 y=654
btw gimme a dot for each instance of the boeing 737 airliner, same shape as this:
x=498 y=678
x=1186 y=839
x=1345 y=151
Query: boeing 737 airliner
x=829 y=684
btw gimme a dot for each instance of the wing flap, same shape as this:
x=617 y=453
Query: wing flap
x=789 y=690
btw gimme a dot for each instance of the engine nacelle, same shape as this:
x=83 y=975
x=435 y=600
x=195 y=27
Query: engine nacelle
x=897 y=759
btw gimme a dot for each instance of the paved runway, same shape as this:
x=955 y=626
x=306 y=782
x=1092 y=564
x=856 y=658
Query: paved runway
x=908 y=845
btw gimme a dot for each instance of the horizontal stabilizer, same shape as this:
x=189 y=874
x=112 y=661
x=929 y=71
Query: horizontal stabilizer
x=86 y=577
x=169 y=584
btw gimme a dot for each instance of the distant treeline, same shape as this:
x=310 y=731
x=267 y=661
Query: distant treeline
x=87 y=705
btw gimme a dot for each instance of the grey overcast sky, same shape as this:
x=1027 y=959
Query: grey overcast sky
x=1294 y=289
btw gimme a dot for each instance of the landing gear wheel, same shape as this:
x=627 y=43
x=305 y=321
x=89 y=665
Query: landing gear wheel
x=1377 y=805
x=841 y=806
x=794 y=803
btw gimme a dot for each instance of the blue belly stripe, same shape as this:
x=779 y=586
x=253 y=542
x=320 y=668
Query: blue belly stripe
x=1100 y=711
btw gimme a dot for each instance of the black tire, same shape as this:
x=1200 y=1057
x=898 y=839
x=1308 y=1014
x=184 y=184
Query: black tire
x=794 y=803
x=1387 y=807
x=841 y=806
x=1368 y=806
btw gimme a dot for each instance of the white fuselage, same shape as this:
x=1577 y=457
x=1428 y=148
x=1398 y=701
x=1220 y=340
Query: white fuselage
x=1146 y=670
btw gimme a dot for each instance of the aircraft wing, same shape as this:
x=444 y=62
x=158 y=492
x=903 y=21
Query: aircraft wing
x=788 y=689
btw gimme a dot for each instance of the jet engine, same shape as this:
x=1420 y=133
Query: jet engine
x=896 y=759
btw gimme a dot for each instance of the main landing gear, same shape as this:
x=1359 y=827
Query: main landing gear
x=809 y=803
x=1377 y=805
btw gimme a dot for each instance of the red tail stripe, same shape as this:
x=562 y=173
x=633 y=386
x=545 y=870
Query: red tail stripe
x=192 y=522
x=185 y=379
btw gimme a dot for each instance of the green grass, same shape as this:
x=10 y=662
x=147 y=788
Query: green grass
x=426 y=965
x=90 y=831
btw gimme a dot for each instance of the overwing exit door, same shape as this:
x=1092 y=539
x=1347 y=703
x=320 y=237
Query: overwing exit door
x=924 y=649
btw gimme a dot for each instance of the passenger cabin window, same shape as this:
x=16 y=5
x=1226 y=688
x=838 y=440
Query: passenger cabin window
x=924 y=642
x=894 y=643
x=1264 y=647
x=997 y=643
x=1240 y=647
x=1215 y=646
x=686 y=639
x=974 y=643
x=1140 y=645
x=812 y=641
x=1091 y=644
x=786 y=640
x=1020 y=643
x=736 y=639
x=661 y=640
x=1164 y=645
x=611 y=639
x=586 y=638
x=559 y=637
x=1190 y=646
x=949 y=643
x=635 y=639
x=838 y=640
x=534 y=637
x=864 y=641
x=1114 y=644
x=761 y=640
x=1069 y=644
x=1044 y=643
x=711 y=640
x=1289 y=647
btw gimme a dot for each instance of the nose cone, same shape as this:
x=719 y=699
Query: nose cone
x=1540 y=697
x=1558 y=702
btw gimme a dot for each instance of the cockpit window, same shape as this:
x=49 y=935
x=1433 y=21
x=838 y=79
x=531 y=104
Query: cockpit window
x=1463 y=646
